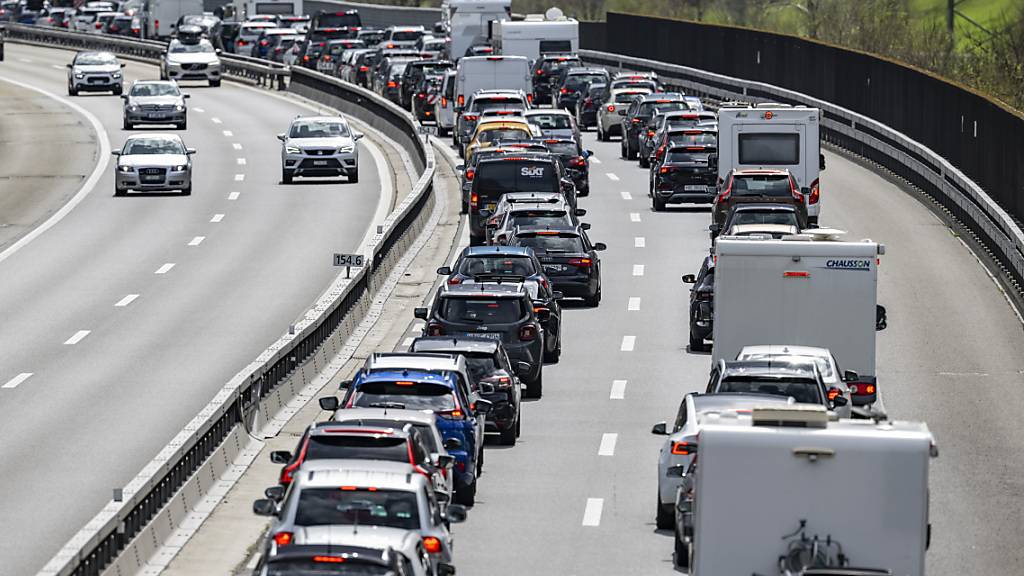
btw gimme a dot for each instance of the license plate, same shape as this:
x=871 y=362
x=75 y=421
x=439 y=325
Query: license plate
x=555 y=267
x=695 y=188
x=319 y=162
x=155 y=116
x=152 y=178
x=488 y=335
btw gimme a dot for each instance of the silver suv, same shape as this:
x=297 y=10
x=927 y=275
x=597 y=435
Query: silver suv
x=319 y=146
x=95 y=72
x=191 y=61
x=155 y=102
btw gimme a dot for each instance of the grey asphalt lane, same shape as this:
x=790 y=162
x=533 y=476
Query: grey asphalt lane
x=111 y=385
x=953 y=355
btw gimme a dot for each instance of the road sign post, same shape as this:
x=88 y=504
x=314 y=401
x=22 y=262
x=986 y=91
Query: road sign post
x=349 y=261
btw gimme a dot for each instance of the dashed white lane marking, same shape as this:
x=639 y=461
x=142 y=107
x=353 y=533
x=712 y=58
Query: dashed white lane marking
x=13 y=382
x=634 y=304
x=196 y=241
x=612 y=177
x=592 y=513
x=628 y=343
x=626 y=195
x=234 y=195
x=593 y=159
x=27 y=60
x=607 y=447
x=200 y=110
x=634 y=216
x=639 y=242
x=228 y=133
x=217 y=218
x=618 y=390
x=638 y=269
x=408 y=341
x=239 y=177
x=126 y=300
x=165 y=268
x=57 y=66
x=236 y=145
x=215 y=120
x=77 y=337
x=240 y=161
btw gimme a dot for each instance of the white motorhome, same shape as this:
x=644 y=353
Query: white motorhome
x=468 y=22
x=538 y=34
x=767 y=482
x=777 y=137
x=248 y=8
x=808 y=289
x=490 y=72
x=161 y=16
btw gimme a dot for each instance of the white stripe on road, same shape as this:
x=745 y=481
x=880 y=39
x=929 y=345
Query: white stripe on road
x=217 y=218
x=26 y=60
x=607 y=447
x=239 y=177
x=200 y=110
x=626 y=195
x=628 y=343
x=197 y=241
x=639 y=242
x=78 y=337
x=240 y=161
x=13 y=382
x=227 y=133
x=612 y=177
x=634 y=216
x=215 y=120
x=634 y=304
x=618 y=390
x=165 y=268
x=592 y=513
x=126 y=300
x=638 y=269
x=236 y=145
x=57 y=66
x=593 y=159
x=234 y=195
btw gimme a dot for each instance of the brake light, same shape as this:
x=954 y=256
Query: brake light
x=390 y=45
x=453 y=414
x=469 y=174
x=156 y=24
x=725 y=193
x=391 y=84
x=474 y=200
x=862 y=389
x=540 y=72
x=799 y=274
x=637 y=120
x=432 y=545
x=666 y=170
x=661 y=150
x=470 y=117
x=455 y=280
x=564 y=91
x=305 y=58
x=444 y=102
x=283 y=538
x=364 y=68
x=528 y=332
x=329 y=559
x=529 y=98
x=421 y=96
x=833 y=393
x=682 y=448
x=99 y=25
x=435 y=330
x=461 y=101
x=815 y=192
x=327 y=58
x=264 y=42
x=611 y=108
x=650 y=133
x=581 y=262
x=577 y=161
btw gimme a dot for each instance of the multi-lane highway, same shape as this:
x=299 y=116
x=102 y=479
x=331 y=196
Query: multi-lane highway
x=122 y=320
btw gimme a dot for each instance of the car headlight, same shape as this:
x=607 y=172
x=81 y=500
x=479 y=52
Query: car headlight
x=133 y=108
x=179 y=107
x=79 y=75
x=292 y=149
x=116 y=75
x=346 y=149
x=124 y=168
x=179 y=167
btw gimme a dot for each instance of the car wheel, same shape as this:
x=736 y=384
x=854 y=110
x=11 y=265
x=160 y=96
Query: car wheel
x=519 y=424
x=659 y=205
x=644 y=162
x=593 y=300
x=682 y=551
x=600 y=134
x=118 y=91
x=696 y=344
x=585 y=191
x=535 y=388
x=72 y=91
x=214 y=83
x=119 y=192
x=630 y=153
x=480 y=461
x=553 y=356
x=353 y=177
x=622 y=149
x=466 y=495
x=187 y=191
x=286 y=176
x=664 y=518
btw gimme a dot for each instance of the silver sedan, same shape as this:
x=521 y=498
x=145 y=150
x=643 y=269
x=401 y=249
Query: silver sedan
x=153 y=163
x=155 y=102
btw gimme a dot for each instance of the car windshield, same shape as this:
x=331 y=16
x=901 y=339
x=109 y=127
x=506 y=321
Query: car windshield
x=481 y=310
x=409 y=395
x=152 y=146
x=155 y=90
x=480 y=366
x=576 y=81
x=202 y=47
x=406 y=36
x=357 y=447
x=310 y=567
x=95 y=59
x=494 y=134
x=364 y=507
x=481 y=105
x=756 y=217
x=553 y=244
x=623 y=97
x=498 y=264
x=799 y=389
x=318 y=129
x=551 y=121
x=761 y=186
x=540 y=219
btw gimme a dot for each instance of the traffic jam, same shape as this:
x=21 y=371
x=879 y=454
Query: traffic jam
x=794 y=396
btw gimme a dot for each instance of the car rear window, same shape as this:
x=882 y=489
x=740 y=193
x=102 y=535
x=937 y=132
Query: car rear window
x=490 y=135
x=482 y=104
x=410 y=395
x=500 y=176
x=363 y=507
x=563 y=148
x=624 y=97
x=754 y=217
x=559 y=63
x=575 y=81
x=481 y=310
x=362 y=447
x=799 y=390
x=480 y=366
x=552 y=244
x=406 y=36
x=540 y=219
x=500 y=264
x=551 y=121
x=684 y=156
x=774 y=186
x=692 y=138
x=648 y=108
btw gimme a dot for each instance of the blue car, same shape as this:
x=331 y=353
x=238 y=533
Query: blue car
x=436 y=391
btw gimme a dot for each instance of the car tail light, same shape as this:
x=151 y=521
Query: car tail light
x=435 y=330
x=661 y=150
x=277 y=50
x=666 y=169
x=432 y=545
x=637 y=120
x=392 y=84
x=578 y=162
x=305 y=58
x=540 y=72
x=99 y=25
x=242 y=42
x=460 y=466
x=283 y=538
x=329 y=559
x=862 y=388
x=156 y=24
x=529 y=98
x=528 y=332
x=453 y=414
x=833 y=393
x=455 y=280
x=501 y=381
x=581 y=262
x=474 y=200
x=264 y=43
x=726 y=191
x=797 y=195
x=650 y=133
x=364 y=68
x=682 y=448
x=461 y=101
x=470 y=173
x=390 y=45
x=470 y=117
x=564 y=91
x=815 y=192
x=327 y=58
x=421 y=96
x=611 y=108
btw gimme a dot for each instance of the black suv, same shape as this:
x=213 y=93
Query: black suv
x=527 y=172
x=572 y=81
x=498 y=311
x=546 y=70
x=702 y=304
x=640 y=110
x=588 y=104
x=684 y=176
x=494 y=373
x=413 y=75
x=570 y=260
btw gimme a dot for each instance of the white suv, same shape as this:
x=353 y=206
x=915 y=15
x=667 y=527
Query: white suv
x=319 y=146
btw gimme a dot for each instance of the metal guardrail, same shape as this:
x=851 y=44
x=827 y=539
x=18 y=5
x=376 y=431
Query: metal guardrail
x=870 y=139
x=120 y=522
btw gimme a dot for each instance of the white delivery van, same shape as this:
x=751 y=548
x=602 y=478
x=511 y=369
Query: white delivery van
x=490 y=72
x=161 y=16
x=774 y=137
x=536 y=35
x=468 y=22
x=807 y=289
x=767 y=482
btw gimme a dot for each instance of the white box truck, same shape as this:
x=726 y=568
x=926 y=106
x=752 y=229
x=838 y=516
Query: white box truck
x=536 y=35
x=808 y=289
x=775 y=137
x=161 y=16
x=767 y=482
x=490 y=72
x=468 y=22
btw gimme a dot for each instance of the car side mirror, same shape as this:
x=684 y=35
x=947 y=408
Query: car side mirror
x=115 y=152
x=124 y=97
x=275 y=493
x=689 y=279
x=483 y=406
x=357 y=135
x=850 y=376
x=460 y=167
x=805 y=191
x=329 y=403
x=543 y=314
x=581 y=212
x=452 y=444
x=713 y=162
x=715 y=228
x=445 y=460
x=190 y=151
x=839 y=401
x=70 y=66
x=522 y=368
x=186 y=96
x=163 y=52
x=444 y=270
x=567 y=185
x=881 y=322
x=585 y=225
x=486 y=388
x=281 y=137
x=660 y=429
x=821 y=161
x=344 y=384
x=420 y=313
x=280 y=457
x=218 y=51
x=264 y=507
x=588 y=153
x=557 y=295
x=600 y=247
x=455 y=513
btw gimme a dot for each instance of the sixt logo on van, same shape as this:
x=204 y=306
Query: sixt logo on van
x=856 y=264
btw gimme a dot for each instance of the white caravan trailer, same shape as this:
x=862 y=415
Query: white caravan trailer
x=536 y=35
x=468 y=22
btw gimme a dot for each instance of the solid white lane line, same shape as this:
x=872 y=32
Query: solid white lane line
x=215 y=120
x=217 y=218
x=227 y=133
x=612 y=177
x=639 y=242
x=240 y=161
x=634 y=216
x=236 y=145
x=234 y=195
x=628 y=343
x=165 y=268
x=592 y=513
x=196 y=241
x=618 y=390
x=634 y=304
x=593 y=159
x=626 y=195
x=239 y=177
x=607 y=447
x=638 y=269
x=13 y=382
x=200 y=110
x=126 y=300
x=78 y=337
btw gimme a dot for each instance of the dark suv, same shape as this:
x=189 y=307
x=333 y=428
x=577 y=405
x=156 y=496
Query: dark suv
x=756 y=187
x=413 y=75
x=590 y=100
x=576 y=161
x=635 y=118
x=494 y=177
x=497 y=311
x=570 y=260
x=684 y=176
x=546 y=70
x=702 y=304
x=572 y=81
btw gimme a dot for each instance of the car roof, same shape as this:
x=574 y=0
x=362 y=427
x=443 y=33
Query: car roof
x=546 y=112
x=457 y=344
x=735 y=400
x=540 y=231
x=369 y=473
x=320 y=118
x=523 y=155
x=534 y=197
x=673 y=96
x=396 y=414
x=771 y=368
x=413 y=361
x=528 y=206
x=585 y=70
x=497 y=250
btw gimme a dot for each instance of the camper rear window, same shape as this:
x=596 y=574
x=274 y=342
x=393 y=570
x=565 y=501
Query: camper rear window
x=769 y=149
x=555 y=46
